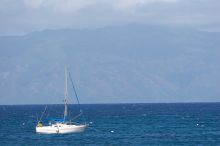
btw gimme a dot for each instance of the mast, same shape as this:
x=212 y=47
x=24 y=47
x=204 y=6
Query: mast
x=65 y=95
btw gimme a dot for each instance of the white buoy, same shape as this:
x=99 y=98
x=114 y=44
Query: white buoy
x=112 y=131
x=197 y=124
x=23 y=124
x=90 y=122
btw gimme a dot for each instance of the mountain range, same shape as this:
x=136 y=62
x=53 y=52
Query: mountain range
x=115 y=64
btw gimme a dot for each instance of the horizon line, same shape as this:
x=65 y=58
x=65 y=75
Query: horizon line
x=196 y=102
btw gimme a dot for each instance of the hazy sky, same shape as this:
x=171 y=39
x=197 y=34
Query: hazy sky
x=23 y=16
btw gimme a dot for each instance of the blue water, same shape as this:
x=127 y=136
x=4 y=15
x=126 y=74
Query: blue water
x=118 y=124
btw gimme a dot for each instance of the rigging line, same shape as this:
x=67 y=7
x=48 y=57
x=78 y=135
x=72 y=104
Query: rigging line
x=76 y=117
x=37 y=117
x=74 y=89
x=76 y=96
x=43 y=113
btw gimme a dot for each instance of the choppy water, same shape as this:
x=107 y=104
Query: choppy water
x=118 y=124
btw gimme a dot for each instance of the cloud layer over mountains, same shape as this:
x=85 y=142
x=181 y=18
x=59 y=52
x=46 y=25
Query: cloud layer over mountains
x=23 y=16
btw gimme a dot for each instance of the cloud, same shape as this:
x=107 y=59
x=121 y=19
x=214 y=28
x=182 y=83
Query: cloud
x=33 y=3
x=23 y=16
x=58 y=5
x=122 y=4
x=75 y=5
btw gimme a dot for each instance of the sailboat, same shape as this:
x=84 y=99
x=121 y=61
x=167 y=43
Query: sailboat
x=63 y=125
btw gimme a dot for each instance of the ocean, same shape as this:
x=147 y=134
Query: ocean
x=156 y=124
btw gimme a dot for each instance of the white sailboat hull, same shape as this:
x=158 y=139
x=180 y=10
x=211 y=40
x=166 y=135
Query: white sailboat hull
x=53 y=129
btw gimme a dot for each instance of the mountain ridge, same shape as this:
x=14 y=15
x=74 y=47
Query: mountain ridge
x=131 y=63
